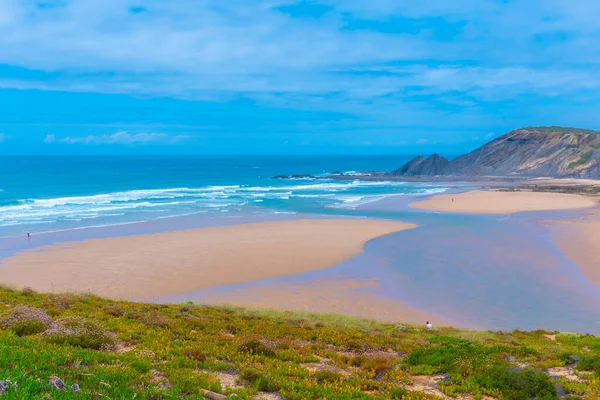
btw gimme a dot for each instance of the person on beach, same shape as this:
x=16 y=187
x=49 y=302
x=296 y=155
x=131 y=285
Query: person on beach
x=28 y=235
x=428 y=325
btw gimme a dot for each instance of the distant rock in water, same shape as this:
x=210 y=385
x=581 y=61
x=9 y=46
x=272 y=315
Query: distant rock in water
x=295 y=176
x=530 y=152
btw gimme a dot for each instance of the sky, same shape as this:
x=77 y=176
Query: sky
x=291 y=77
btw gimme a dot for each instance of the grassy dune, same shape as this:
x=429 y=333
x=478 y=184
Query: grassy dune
x=121 y=350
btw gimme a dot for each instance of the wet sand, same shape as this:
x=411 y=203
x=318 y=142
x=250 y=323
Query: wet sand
x=338 y=295
x=579 y=240
x=503 y=202
x=150 y=266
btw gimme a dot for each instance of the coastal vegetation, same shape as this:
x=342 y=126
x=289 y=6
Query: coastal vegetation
x=585 y=157
x=82 y=346
x=561 y=129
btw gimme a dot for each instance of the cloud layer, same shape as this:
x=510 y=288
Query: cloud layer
x=122 y=138
x=387 y=63
x=358 y=48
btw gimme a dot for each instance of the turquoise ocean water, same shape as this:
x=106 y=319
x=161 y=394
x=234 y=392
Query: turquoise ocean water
x=46 y=194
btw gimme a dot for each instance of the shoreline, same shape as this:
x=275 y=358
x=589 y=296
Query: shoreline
x=339 y=294
x=165 y=264
x=579 y=240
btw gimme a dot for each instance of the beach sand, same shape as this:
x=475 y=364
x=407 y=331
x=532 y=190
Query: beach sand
x=337 y=295
x=503 y=202
x=151 y=266
x=579 y=240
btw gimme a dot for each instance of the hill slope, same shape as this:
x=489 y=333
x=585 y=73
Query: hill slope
x=532 y=152
x=52 y=346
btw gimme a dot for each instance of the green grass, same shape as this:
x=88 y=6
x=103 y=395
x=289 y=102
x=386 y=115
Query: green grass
x=177 y=351
x=561 y=129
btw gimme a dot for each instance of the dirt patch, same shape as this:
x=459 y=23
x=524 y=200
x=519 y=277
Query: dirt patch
x=322 y=366
x=228 y=380
x=268 y=396
x=160 y=380
x=382 y=354
x=566 y=372
x=428 y=385
x=301 y=343
x=123 y=347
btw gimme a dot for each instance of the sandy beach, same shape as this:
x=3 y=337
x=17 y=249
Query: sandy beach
x=503 y=202
x=146 y=267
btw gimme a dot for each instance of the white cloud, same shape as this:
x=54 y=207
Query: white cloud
x=50 y=139
x=422 y=141
x=221 y=50
x=122 y=138
x=241 y=47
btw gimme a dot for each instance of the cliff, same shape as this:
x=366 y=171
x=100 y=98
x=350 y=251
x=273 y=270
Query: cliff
x=533 y=151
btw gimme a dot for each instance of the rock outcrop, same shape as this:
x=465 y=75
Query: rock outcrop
x=419 y=166
x=530 y=152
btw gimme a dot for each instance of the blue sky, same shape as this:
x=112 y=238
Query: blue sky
x=284 y=76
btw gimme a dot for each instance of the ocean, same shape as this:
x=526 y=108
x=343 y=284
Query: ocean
x=48 y=194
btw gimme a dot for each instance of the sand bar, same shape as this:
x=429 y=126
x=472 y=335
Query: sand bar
x=152 y=266
x=502 y=202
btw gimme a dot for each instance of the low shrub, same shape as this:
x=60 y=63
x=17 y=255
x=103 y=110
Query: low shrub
x=75 y=331
x=116 y=310
x=60 y=301
x=257 y=380
x=28 y=327
x=452 y=356
x=356 y=346
x=156 y=321
x=142 y=365
x=54 y=311
x=25 y=320
x=590 y=363
x=256 y=347
x=327 y=376
x=517 y=384
x=376 y=364
x=28 y=292
x=399 y=394
x=196 y=354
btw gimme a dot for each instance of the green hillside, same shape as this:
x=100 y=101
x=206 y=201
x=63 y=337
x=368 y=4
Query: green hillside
x=560 y=129
x=121 y=350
